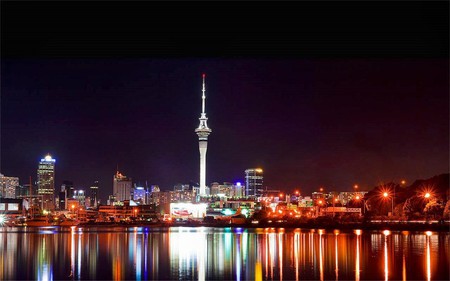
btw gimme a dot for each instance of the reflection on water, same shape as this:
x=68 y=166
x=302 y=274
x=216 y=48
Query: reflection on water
x=181 y=253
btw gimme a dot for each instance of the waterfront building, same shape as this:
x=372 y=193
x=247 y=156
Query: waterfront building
x=254 y=182
x=214 y=187
x=11 y=206
x=237 y=190
x=46 y=182
x=8 y=186
x=203 y=132
x=122 y=187
x=93 y=197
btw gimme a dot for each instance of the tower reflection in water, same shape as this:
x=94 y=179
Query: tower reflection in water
x=142 y=253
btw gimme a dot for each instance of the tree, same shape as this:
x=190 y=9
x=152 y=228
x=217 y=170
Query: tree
x=434 y=208
x=446 y=213
x=408 y=208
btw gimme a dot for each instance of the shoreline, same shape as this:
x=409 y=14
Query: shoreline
x=381 y=226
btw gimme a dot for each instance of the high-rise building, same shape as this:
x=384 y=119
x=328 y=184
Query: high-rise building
x=122 y=187
x=68 y=188
x=8 y=186
x=139 y=194
x=67 y=192
x=46 y=182
x=80 y=196
x=203 y=132
x=254 y=182
x=94 y=195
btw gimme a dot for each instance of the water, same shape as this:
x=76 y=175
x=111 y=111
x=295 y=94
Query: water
x=183 y=253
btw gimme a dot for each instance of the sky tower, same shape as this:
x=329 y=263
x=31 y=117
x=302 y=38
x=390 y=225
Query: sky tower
x=203 y=132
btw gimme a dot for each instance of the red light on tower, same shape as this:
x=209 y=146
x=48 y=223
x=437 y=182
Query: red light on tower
x=204 y=75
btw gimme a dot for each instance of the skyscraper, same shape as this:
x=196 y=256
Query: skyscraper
x=68 y=188
x=253 y=182
x=122 y=186
x=203 y=132
x=46 y=182
x=94 y=195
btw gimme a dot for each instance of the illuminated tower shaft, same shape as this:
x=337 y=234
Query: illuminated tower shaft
x=203 y=132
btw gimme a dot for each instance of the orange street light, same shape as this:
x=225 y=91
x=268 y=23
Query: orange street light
x=386 y=195
x=427 y=195
x=364 y=203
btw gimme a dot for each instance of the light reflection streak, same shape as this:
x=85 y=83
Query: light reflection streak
x=296 y=250
x=187 y=253
x=428 y=234
x=336 y=255
x=137 y=251
x=79 y=257
x=44 y=268
x=267 y=255
x=258 y=271
x=238 y=257
x=386 y=266
x=357 y=269
x=272 y=246
x=404 y=267
x=201 y=254
x=280 y=254
x=312 y=255
x=72 y=253
x=320 y=255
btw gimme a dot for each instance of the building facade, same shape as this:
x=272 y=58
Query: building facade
x=8 y=186
x=254 y=182
x=68 y=188
x=122 y=187
x=93 y=196
x=46 y=182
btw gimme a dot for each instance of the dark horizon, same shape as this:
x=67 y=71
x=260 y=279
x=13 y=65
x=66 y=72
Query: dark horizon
x=360 y=104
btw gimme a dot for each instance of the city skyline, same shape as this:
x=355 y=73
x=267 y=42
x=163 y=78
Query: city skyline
x=307 y=119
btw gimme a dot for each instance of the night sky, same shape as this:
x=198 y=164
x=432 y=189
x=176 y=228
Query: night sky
x=331 y=94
